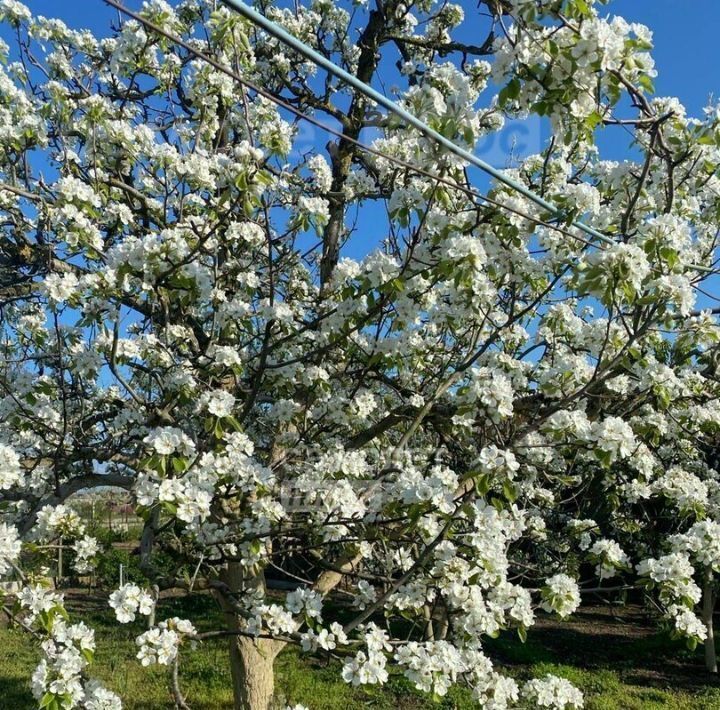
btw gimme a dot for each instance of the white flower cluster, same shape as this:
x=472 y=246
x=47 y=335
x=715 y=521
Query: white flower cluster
x=218 y=403
x=498 y=462
x=10 y=547
x=305 y=601
x=673 y=574
x=582 y=530
x=36 y=599
x=68 y=650
x=326 y=639
x=615 y=439
x=561 y=595
x=161 y=644
x=225 y=355
x=322 y=173
x=273 y=617
x=553 y=692
x=60 y=288
x=11 y=473
x=685 y=489
x=436 y=486
x=492 y=390
x=701 y=542
x=431 y=666
x=686 y=622
x=129 y=600
x=62 y=522
x=14 y=11
x=191 y=500
x=369 y=668
x=58 y=520
x=168 y=440
x=610 y=558
x=248 y=232
x=86 y=550
x=313 y=210
x=624 y=264
x=580 y=59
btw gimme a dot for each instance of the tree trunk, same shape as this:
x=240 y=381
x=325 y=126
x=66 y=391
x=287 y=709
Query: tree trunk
x=251 y=660
x=442 y=625
x=342 y=152
x=429 y=634
x=707 y=615
x=251 y=663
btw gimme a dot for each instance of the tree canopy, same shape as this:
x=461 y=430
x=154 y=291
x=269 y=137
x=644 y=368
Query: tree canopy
x=373 y=412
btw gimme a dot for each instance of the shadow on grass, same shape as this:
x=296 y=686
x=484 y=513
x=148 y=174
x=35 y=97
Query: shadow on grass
x=15 y=693
x=616 y=656
x=627 y=644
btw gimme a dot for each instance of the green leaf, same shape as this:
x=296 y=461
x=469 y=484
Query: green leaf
x=179 y=464
x=646 y=83
x=593 y=120
x=47 y=699
x=582 y=8
x=509 y=92
x=509 y=491
x=482 y=484
x=234 y=423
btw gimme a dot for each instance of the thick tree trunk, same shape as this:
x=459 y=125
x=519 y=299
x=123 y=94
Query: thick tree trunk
x=251 y=663
x=707 y=615
x=251 y=660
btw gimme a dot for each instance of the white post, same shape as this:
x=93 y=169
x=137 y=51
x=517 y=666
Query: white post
x=708 y=601
x=121 y=574
x=60 y=561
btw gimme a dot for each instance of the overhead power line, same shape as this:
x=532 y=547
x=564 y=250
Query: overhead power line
x=286 y=38
x=220 y=67
x=400 y=162
x=293 y=42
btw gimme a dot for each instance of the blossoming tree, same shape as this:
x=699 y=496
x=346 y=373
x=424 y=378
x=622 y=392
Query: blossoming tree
x=386 y=458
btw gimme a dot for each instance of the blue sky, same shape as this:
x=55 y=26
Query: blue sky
x=686 y=54
x=686 y=61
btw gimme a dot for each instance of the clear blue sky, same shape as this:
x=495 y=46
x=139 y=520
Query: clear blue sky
x=685 y=43
x=685 y=55
x=686 y=46
x=685 y=52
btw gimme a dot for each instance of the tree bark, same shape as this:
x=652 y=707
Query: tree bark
x=342 y=152
x=252 y=665
x=251 y=660
x=707 y=615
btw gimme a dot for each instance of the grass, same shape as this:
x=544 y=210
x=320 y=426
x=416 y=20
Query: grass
x=620 y=663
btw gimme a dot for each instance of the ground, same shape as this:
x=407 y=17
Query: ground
x=616 y=656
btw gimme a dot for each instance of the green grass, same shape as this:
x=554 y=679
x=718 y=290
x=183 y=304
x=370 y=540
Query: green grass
x=639 y=671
